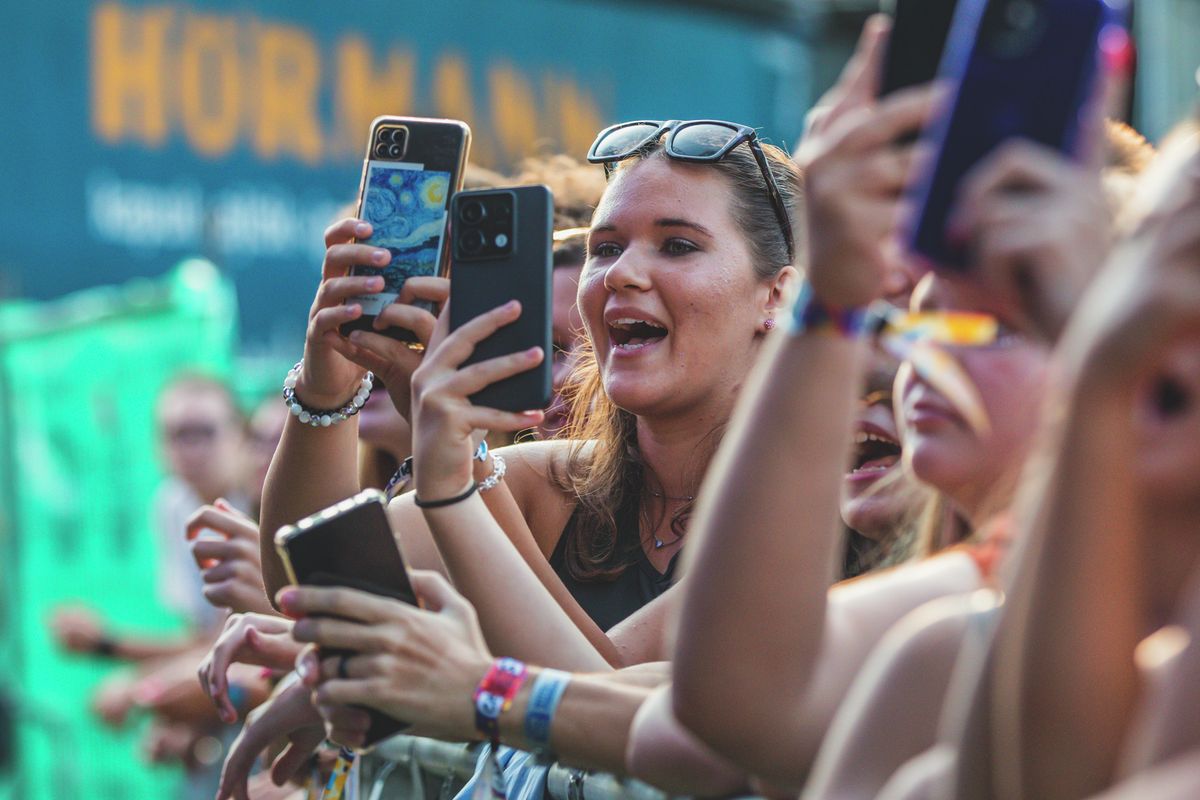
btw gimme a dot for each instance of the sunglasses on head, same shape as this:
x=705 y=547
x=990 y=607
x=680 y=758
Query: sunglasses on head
x=700 y=141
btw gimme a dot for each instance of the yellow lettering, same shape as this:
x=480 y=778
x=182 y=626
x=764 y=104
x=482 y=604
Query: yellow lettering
x=514 y=111
x=579 y=116
x=127 y=73
x=364 y=94
x=289 y=80
x=209 y=81
x=452 y=98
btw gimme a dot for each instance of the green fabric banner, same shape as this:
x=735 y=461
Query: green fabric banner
x=79 y=378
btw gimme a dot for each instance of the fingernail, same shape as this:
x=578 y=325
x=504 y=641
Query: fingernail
x=362 y=229
x=266 y=674
x=512 y=305
x=356 y=336
x=375 y=283
x=286 y=597
x=303 y=669
x=353 y=309
x=533 y=352
x=381 y=256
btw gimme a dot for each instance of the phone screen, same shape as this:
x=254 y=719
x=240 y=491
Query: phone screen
x=406 y=206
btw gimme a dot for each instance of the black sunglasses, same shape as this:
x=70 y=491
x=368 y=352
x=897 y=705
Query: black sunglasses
x=700 y=141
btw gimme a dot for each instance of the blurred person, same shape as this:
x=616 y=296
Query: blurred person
x=766 y=700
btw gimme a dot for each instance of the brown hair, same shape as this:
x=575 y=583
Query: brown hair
x=604 y=468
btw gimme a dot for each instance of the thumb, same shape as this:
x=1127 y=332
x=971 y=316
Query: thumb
x=434 y=591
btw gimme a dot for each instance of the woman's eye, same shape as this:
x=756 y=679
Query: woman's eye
x=606 y=250
x=679 y=247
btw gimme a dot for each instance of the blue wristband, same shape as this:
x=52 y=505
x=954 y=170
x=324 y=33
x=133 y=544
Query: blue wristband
x=810 y=314
x=543 y=702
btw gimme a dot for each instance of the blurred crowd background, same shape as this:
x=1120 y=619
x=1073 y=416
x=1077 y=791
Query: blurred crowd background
x=167 y=171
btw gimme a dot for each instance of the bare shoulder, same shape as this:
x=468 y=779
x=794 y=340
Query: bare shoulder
x=534 y=474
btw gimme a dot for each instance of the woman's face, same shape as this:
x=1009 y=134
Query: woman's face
x=943 y=449
x=870 y=506
x=668 y=295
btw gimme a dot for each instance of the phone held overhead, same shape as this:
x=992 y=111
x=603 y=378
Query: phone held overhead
x=412 y=168
x=1016 y=69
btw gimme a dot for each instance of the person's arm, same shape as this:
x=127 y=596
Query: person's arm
x=663 y=753
x=765 y=535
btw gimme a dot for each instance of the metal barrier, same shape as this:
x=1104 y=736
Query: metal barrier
x=444 y=766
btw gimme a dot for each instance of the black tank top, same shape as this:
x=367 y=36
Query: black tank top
x=608 y=602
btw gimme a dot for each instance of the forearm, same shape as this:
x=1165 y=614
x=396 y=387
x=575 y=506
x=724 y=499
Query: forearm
x=312 y=469
x=767 y=518
x=662 y=752
x=591 y=725
x=519 y=616
x=1074 y=614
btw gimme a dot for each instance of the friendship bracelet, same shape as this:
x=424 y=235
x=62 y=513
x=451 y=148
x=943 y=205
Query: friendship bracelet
x=495 y=694
x=809 y=314
x=449 y=501
x=547 y=691
x=318 y=418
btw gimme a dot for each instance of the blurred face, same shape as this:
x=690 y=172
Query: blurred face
x=202 y=439
x=566 y=328
x=668 y=295
x=870 y=506
x=943 y=449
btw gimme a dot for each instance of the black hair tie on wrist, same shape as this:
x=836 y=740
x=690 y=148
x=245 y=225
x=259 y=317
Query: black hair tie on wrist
x=449 y=501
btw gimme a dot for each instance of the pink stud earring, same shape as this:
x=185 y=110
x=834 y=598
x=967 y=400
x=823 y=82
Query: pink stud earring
x=769 y=324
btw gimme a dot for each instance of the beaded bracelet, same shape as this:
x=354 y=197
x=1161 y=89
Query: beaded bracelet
x=320 y=418
x=499 y=468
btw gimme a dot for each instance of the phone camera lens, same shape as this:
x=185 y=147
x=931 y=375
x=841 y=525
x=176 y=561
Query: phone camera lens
x=472 y=212
x=472 y=241
x=381 y=149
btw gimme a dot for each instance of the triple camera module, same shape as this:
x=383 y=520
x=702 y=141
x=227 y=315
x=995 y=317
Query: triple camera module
x=390 y=142
x=483 y=226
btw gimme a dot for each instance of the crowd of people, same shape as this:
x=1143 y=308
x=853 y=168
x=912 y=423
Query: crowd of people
x=940 y=526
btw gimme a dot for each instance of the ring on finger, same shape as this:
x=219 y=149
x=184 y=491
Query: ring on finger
x=341 y=667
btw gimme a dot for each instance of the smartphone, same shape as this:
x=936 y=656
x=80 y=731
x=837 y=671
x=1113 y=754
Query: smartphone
x=349 y=544
x=503 y=251
x=914 y=48
x=1019 y=68
x=412 y=168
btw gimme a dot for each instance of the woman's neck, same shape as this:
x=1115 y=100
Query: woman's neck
x=676 y=449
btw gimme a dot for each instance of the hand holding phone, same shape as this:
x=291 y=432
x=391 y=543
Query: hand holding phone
x=349 y=544
x=412 y=168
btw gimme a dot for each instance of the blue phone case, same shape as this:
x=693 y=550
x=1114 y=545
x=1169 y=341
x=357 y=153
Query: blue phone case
x=1016 y=76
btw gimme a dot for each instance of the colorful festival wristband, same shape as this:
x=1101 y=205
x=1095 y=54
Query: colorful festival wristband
x=495 y=694
x=547 y=691
x=809 y=314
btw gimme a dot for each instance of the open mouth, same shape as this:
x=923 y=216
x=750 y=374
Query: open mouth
x=874 y=452
x=633 y=334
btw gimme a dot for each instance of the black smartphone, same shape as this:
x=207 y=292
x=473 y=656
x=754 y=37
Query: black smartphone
x=349 y=544
x=914 y=49
x=1019 y=68
x=412 y=168
x=503 y=251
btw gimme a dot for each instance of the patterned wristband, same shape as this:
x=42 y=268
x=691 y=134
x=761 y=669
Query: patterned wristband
x=810 y=314
x=543 y=702
x=495 y=694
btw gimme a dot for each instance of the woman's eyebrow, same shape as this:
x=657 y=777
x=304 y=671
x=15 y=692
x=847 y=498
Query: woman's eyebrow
x=675 y=222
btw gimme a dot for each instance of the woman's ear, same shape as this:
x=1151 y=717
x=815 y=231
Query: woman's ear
x=781 y=291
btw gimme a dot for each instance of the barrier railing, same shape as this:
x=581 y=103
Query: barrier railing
x=444 y=766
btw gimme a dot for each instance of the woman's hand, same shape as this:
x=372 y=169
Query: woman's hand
x=443 y=416
x=1040 y=226
x=395 y=361
x=261 y=639
x=418 y=665
x=854 y=172
x=330 y=375
x=288 y=714
x=230 y=568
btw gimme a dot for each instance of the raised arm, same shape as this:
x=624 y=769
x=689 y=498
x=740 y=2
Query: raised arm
x=765 y=534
